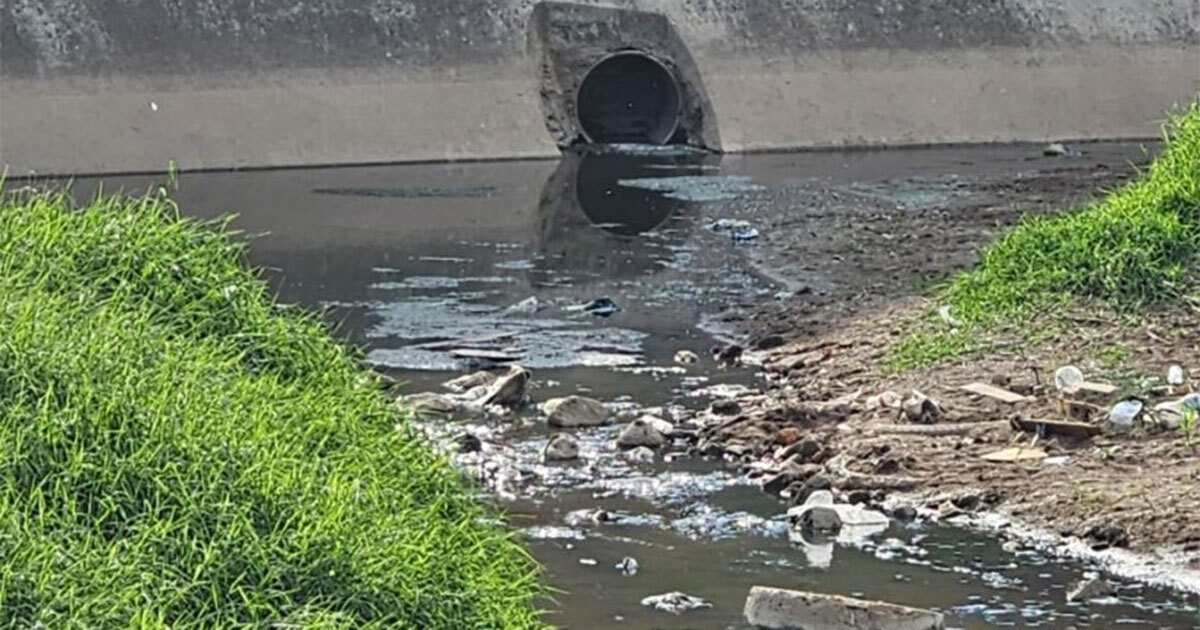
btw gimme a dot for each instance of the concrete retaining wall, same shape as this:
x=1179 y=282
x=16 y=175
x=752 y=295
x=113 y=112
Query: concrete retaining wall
x=128 y=85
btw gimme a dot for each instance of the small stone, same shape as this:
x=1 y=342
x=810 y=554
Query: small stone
x=468 y=382
x=430 y=403
x=638 y=455
x=1106 y=535
x=1055 y=149
x=801 y=452
x=815 y=483
x=1088 y=589
x=662 y=426
x=905 y=513
x=640 y=433
x=686 y=357
x=887 y=466
x=468 y=443
x=788 y=436
x=726 y=407
x=858 y=497
x=561 y=448
x=576 y=411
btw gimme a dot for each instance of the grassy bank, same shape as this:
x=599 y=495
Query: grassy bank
x=178 y=451
x=1135 y=248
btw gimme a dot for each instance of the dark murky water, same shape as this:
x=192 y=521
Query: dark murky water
x=404 y=255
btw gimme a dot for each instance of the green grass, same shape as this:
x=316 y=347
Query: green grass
x=1135 y=248
x=178 y=451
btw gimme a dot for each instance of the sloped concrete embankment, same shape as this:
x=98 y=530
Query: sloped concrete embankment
x=92 y=86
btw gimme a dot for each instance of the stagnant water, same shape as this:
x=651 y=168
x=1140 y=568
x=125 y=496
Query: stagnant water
x=401 y=255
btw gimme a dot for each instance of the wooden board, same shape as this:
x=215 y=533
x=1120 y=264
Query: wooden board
x=1096 y=388
x=991 y=391
x=1015 y=454
x=1058 y=427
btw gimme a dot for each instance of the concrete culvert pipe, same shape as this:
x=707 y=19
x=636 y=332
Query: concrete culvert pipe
x=628 y=97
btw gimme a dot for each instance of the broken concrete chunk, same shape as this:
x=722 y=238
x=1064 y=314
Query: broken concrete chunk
x=779 y=609
x=576 y=411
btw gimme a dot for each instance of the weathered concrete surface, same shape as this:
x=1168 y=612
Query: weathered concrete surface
x=779 y=609
x=94 y=86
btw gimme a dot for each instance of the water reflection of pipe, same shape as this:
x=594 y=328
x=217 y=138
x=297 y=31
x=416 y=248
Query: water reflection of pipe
x=586 y=217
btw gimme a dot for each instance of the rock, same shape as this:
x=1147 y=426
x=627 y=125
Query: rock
x=726 y=407
x=858 y=497
x=1106 y=535
x=779 y=609
x=431 y=404
x=561 y=448
x=920 y=408
x=788 y=436
x=576 y=411
x=904 y=513
x=467 y=382
x=628 y=565
x=815 y=483
x=727 y=355
x=801 y=452
x=508 y=390
x=468 y=443
x=1055 y=149
x=640 y=432
x=600 y=307
x=686 y=357
x=1088 y=589
x=769 y=342
x=664 y=427
x=639 y=455
x=675 y=602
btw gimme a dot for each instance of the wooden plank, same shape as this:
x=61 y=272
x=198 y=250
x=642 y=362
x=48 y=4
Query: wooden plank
x=991 y=391
x=1015 y=454
x=1057 y=427
x=1096 y=388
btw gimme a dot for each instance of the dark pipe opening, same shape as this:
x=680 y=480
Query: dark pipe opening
x=628 y=97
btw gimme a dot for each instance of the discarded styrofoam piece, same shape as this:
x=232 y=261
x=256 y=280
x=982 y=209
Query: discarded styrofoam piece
x=778 y=609
x=1067 y=377
x=1176 y=375
x=848 y=515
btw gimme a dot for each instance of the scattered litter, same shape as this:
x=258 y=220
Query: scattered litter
x=1056 y=149
x=627 y=566
x=920 y=408
x=1175 y=375
x=591 y=562
x=944 y=313
x=1170 y=414
x=602 y=307
x=1015 y=454
x=1067 y=378
x=991 y=391
x=675 y=602
x=727 y=355
x=528 y=306
x=744 y=235
x=885 y=400
x=1061 y=460
x=1123 y=414
x=686 y=357
x=819 y=512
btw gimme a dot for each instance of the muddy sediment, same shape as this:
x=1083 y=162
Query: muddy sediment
x=832 y=418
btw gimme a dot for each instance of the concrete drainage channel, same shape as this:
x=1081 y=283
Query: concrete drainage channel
x=618 y=76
